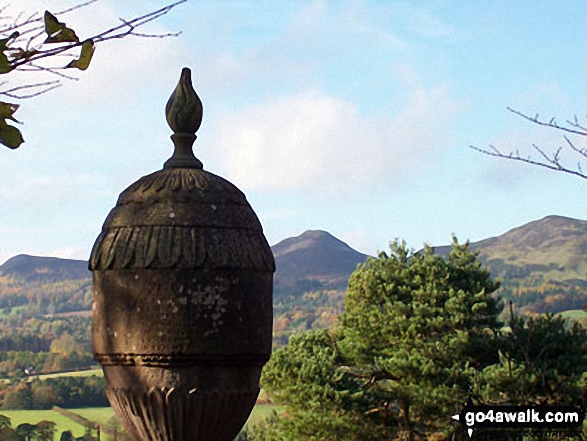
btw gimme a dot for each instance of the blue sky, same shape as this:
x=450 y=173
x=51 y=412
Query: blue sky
x=353 y=117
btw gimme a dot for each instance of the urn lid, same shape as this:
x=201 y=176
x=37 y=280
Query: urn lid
x=182 y=216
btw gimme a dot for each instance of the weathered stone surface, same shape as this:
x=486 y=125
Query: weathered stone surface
x=182 y=316
x=182 y=307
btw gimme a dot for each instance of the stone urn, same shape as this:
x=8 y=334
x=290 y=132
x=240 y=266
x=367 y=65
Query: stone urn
x=182 y=305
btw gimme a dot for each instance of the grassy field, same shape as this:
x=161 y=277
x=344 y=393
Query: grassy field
x=574 y=314
x=70 y=314
x=100 y=415
x=34 y=416
x=13 y=311
x=261 y=411
x=98 y=372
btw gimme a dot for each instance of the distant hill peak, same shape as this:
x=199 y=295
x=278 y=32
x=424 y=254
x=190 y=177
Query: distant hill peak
x=315 y=255
x=558 y=218
x=316 y=234
x=317 y=239
x=546 y=232
x=554 y=222
x=30 y=258
x=37 y=267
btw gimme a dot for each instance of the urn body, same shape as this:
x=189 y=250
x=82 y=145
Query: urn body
x=182 y=308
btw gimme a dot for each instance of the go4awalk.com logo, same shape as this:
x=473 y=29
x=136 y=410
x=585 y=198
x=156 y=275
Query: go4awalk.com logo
x=521 y=419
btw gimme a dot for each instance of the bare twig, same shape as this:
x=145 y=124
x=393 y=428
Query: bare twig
x=552 y=161
x=35 y=17
x=552 y=123
x=46 y=87
x=74 y=7
x=136 y=34
x=575 y=123
x=52 y=70
x=31 y=28
x=125 y=29
x=558 y=167
x=582 y=152
x=25 y=48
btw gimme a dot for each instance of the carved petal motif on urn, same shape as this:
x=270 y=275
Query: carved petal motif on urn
x=169 y=184
x=158 y=247
x=165 y=414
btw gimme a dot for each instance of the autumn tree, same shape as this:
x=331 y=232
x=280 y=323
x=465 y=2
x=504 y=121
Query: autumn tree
x=45 y=396
x=45 y=430
x=66 y=345
x=20 y=397
x=9 y=434
x=31 y=41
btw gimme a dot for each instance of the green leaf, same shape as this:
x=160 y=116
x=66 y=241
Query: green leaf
x=7 y=110
x=57 y=32
x=5 y=65
x=10 y=136
x=85 y=57
x=4 y=41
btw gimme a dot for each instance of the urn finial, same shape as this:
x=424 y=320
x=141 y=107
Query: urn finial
x=184 y=116
x=182 y=298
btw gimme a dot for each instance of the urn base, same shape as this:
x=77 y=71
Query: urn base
x=165 y=404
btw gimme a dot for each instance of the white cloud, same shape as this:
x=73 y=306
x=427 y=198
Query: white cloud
x=316 y=142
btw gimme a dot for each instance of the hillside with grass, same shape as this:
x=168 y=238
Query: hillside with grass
x=554 y=248
x=543 y=264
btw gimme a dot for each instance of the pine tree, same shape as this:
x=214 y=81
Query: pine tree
x=414 y=330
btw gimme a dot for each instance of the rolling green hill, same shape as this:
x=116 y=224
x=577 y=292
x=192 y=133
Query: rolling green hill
x=552 y=248
x=30 y=268
x=543 y=264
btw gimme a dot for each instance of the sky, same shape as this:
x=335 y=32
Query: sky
x=353 y=117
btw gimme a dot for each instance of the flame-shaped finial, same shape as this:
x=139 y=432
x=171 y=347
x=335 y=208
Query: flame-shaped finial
x=184 y=116
x=184 y=108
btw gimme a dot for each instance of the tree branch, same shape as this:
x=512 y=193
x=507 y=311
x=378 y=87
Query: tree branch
x=29 y=40
x=552 y=123
x=47 y=86
x=551 y=161
x=557 y=167
x=123 y=30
